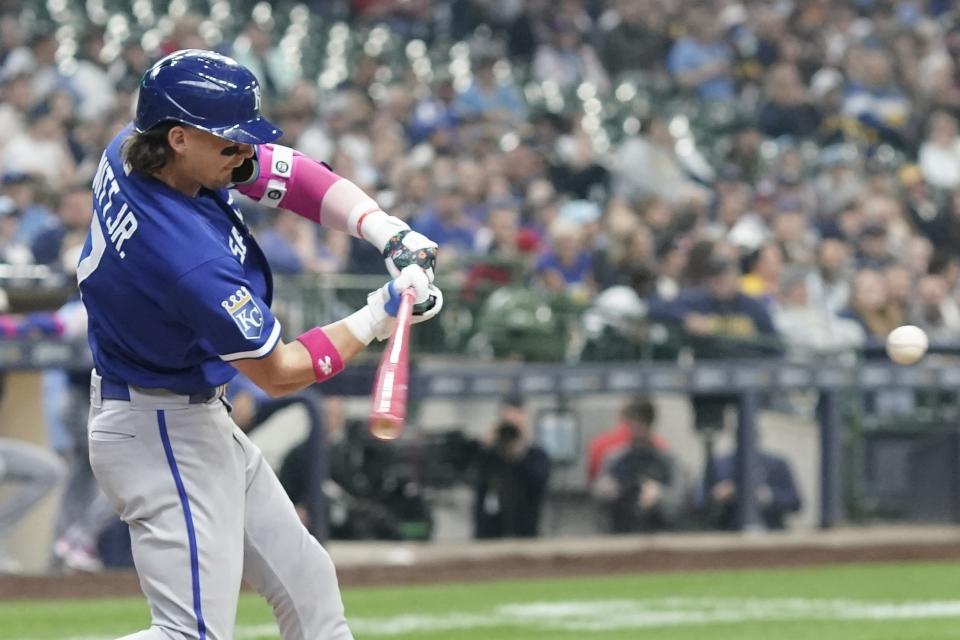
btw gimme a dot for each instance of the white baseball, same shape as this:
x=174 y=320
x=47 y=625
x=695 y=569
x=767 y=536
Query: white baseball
x=907 y=344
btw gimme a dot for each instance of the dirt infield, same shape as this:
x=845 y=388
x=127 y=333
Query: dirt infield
x=380 y=564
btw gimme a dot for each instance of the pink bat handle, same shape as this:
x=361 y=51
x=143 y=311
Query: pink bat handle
x=389 y=410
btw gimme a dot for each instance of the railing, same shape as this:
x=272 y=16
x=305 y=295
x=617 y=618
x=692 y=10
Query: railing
x=482 y=320
x=748 y=381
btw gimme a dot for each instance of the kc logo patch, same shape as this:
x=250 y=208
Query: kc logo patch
x=245 y=313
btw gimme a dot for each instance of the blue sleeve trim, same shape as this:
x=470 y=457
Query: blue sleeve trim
x=257 y=353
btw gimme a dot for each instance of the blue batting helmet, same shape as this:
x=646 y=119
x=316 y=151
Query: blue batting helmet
x=207 y=91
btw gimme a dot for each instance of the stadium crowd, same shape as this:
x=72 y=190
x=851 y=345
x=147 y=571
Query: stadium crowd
x=809 y=149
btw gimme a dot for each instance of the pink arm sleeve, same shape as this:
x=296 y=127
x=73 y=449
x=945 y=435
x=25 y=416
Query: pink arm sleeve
x=292 y=181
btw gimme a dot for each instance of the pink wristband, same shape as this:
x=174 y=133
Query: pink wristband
x=323 y=355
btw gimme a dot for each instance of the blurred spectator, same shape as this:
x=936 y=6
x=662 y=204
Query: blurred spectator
x=940 y=152
x=874 y=98
x=577 y=171
x=567 y=266
x=918 y=255
x=17 y=98
x=184 y=34
x=636 y=479
x=624 y=255
x=433 y=116
x=935 y=310
x=700 y=60
x=921 y=202
x=273 y=67
x=527 y=28
x=94 y=87
x=26 y=211
x=873 y=248
x=745 y=149
x=829 y=283
x=500 y=236
x=775 y=491
x=673 y=259
x=940 y=223
x=871 y=307
x=900 y=286
x=565 y=59
x=128 y=68
x=810 y=330
x=489 y=97
x=504 y=253
x=293 y=245
x=633 y=36
x=732 y=199
x=826 y=89
x=473 y=185
x=74 y=214
x=38 y=59
x=637 y=414
x=512 y=475
x=839 y=183
x=762 y=269
x=447 y=220
x=787 y=110
x=759 y=41
x=663 y=176
x=719 y=319
x=41 y=149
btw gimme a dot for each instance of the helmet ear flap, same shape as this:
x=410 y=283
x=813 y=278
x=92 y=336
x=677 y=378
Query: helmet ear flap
x=246 y=172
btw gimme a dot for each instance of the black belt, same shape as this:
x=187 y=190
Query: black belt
x=119 y=391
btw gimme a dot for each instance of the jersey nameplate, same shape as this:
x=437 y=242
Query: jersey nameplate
x=121 y=223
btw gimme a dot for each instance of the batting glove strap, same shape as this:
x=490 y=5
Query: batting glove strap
x=374 y=225
x=410 y=247
x=429 y=308
x=370 y=321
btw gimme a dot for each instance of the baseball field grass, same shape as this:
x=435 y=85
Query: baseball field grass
x=915 y=601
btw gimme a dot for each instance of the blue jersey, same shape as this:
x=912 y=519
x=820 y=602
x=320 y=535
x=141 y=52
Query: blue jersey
x=175 y=286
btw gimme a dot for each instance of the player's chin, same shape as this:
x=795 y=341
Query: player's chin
x=220 y=181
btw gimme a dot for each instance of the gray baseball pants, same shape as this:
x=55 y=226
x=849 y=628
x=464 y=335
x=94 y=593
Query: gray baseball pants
x=204 y=511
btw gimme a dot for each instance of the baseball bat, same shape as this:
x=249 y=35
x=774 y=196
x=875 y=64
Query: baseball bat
x=389 y=410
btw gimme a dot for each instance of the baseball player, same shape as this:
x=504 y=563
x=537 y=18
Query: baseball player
x=178 y=296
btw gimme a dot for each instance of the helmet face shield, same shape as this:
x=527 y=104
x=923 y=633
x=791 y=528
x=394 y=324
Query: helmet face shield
x=207 y=91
